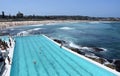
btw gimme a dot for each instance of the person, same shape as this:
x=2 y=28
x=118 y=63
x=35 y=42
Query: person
x=8 y=59
x=10 y=42
x=5 y=55
x=61 y=45
x=34 y=62
x=2 y=58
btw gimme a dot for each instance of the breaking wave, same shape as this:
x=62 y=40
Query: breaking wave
x=71 y=44
x=94 y=22
x=35 y=29
x=66 y=28
x=23 y=32
x=27 y=32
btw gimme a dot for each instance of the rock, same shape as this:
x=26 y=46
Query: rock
x=74 y=49
x=110 y=60
x=59 y=41
x=117 y=65
x=99 y=60
x=97 y=49
x=110 y=66
x=102 y=60
x=77 y=50
x=91 y=55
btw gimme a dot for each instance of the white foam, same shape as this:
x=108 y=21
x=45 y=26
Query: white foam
x=74 y=45
x=37 y=29
x=86 y=48
x=91 y=55
x=94 y=22
x=52 y=23
x=91 y=49
x=28 y=31
x=103 y=49
x=23 y=32
x=66 y=28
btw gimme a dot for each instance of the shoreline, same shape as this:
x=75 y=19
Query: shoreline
x=4 y=25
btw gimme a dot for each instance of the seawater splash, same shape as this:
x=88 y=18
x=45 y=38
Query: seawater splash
x=27 y=32
x=23 y=32
x=51 y=23
x=35 y=29
x=91 y=55
x=71 y=44
x=66 y=28
x=94 y=22
x=103 y=49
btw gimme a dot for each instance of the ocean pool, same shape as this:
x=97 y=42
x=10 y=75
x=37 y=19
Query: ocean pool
x=39 y=56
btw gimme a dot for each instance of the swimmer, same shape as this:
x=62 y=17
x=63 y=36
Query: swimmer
x=34 y=62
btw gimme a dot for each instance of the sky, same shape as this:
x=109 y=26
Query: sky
x=97 y=8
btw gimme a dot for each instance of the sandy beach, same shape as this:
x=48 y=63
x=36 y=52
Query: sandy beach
x=4 y=25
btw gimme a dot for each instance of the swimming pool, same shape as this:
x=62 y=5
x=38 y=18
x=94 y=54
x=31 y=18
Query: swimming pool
x=39 y=56
x=4 y=38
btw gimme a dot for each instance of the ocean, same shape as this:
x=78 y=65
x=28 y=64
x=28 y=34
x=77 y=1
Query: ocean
x=104 y=35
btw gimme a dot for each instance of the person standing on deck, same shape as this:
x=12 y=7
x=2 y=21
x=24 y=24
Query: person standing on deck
x=61 y=44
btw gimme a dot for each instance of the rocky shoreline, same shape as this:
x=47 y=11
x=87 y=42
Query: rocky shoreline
x=111 y=63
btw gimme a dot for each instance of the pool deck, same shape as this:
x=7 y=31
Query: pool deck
x=11 y=51
x=7 y=72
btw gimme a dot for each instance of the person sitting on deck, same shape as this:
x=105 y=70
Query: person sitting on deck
x=4 y=51
x=2 y=63
x=5 y=55
x=2 y=58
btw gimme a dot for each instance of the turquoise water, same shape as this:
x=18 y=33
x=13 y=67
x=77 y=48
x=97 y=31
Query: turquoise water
x=38 y=56
x=4 y=38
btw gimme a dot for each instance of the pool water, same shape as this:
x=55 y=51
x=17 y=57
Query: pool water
x=38 y=56
x=4 y=38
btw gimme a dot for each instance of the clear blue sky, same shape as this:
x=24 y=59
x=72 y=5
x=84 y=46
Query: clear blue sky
x=105 y=8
